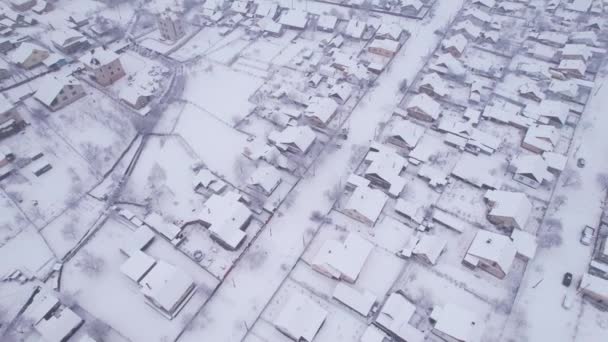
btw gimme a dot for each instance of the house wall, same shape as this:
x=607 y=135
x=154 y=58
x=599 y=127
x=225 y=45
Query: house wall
x=26 y=5
x=169 y=29
x=35 y=58
x=109 y=73
x=526 y=180
x=355 y=215
x=381 y=52
x=67 y=96
x=489 y=267
x=420 y=115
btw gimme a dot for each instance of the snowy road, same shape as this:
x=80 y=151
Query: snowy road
x=540 y=308
x=242 y=297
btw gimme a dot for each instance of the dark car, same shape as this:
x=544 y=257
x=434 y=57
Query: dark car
x=567 y=279
x=581 y=162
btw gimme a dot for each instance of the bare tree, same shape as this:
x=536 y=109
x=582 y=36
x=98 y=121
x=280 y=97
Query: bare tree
x=550 y=233
x=90 y=264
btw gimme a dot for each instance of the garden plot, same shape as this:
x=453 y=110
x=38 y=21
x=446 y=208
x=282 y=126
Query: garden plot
x=511 y=85
x=163 y=179
x=229 y=53
x=222 y=92
x=67 y=230
x=95 y=126
x=12 y=221
x=42 y=198
x=94 y=281
x=464 y=201
x=340 y=324
x=202 y=131
x=485 y=63
x=198 y=45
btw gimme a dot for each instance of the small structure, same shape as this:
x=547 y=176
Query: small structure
x=384 y=47
x=294 y=139
x=264 y=179
x=294 y=19
x=541 y=138
x=77 y=21
x=267 y=9
x=22 y=5
x=455 y=45
x=491 y=252
x=355 y=29
x=454 y=323
x=365 y=205
x=433 y=85
x=327 y=23
x=424 y=108
x=405 y=133
x=508 y=209
x=395 y=315
x=531 y=91
x=389 y=31
x=301 y=318
x=29 y=55
x=167 y=288
x=595 y=288
x=59 y=325
x=42 y=6
x=573 y=67
x=170 y=26
x=531 y=170
x=360 y=301
x=104 y=65
x=56 y=92
x=429 y=248
x=135 y=97
x=169 y=230
x=321 y=110
x=468 y=29
x=385 y=168
x=69 y=41
x=343 y=260
x=226 y=217
x=137 y=265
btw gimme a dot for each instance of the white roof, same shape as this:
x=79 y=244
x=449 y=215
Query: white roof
x=342 y=91
x=448 y=64
x=472 y=169
x=5 y=104
x=367 y=202
x=137 y=240
x=487 y=3
x=449 y=220
x=407 y=131
x=390 y=30
x=50 y=86
x=301 y=137
x=458 y=322
x=301 y=318
x=478 y=14
x=266 y=176
x=137 y=265
x=430 y=246
x=573 y=64
x=409 y=208
x=227 y=215
x=555 y=160
x=158 y=223
x=266 y=8
x=543 y=137
x=60 y=325
x=395 y=316
x=525 y=243
x=515 y=205
x=322 y=109
x=65 y=36
x=360 y=301
x=295 y=18
x=493 y=247
x=577 y=50
x=96 y=58
x=355 y=28
x=548 y=108
x=327 y=22
x=385 y=44
x=387 y=165
x=426 y=104
x=343 y=260
x=534 y=166
x=373 y=334
x=458 y=42
x=436 y=83
x=531 y=88
x=468 y=27
x=166 y=285
x=23 y=52
x=593 y=285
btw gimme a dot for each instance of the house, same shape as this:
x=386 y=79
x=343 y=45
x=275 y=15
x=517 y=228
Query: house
x=405 y=133
x=76 y=20
x=595 y=288
x=240 y=6
x=384 y=47
x=491 y=252
x=374 y=334
x=468 y=29
x=137 y=265
x=167 y=288
x=295 y=19
x=294 y=139
x=384 y=170
x=573 y=67
x=365 y=205
x=29 y=55
x=226 y=217
x=327 y=23
x=6 y=45
x=525 y=244
x=58 y=325
x=22 y=5
x=410 y=209
x=342 y=260
x=411 y=6
x=164 y=227
x=455 y=45
x=552 y=38
x=264 y=179
x=355 y=29
x=454 y=323
x=424 y=107
x=135 y=97
x=10 y=119
x=42 y=6
x=389 y=31
x=589 y=38
x=267 y=9
x=271 y=27
x=508 y=209
x=556 y=163
x=395 y=316
x=205 y=179
x=69 y=41
x=361 y=301
x=104 y=66
x=565 y=89
x=550 y=112
x=429 y=248
x=477 y=16
x=436 y=177
x=301 y=318
x=341 y=92
x=321 y=110
x=531 y=91
x=541 y=138
x=446 y=64
x=576 y=51
x=170 y=26
x=531 y=170
x=433 y=85
x=56 y=92
x=485 y=3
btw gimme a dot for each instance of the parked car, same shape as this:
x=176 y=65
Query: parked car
x=568 y=301
x=587 y=235
x=567 y=280
x=580 y=162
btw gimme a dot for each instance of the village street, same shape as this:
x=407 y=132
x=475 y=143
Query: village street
x=541 y=293
x=265 y=265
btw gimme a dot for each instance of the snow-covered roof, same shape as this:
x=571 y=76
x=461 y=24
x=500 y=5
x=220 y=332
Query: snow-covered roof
x=367 y=202
x=458 y=42
x=59 y=326
x=301 y=318
x=355 y=29
x=166 y=285
x=434 y=82
x=386 y=165
x=532 y=165
x=96 y=58
x=507 y=204
x=407 y=131
x=413 y=4
x=240 y=6
x=395 y=316
x=65 y=36
x=486 y=3
x=555 y=161
x=385 y=44
x=302 y=137
x=158 y=223
x=269 y=25
x=266 y=177
x=457 y=322
x=327 y=22
x=542 y=137
x=266 y=9
x=24 y=51
x=553 y=37
x=551 y=109
x=412 y=209
x=389 y=30
x=342 y=91
x=531 y=89
x=430 y=247
x=425 y=104
x=492 y=247
x=469 y=28
x=475 y=171
x=584 y=37
x=361 y=301
x=50 y=86
x=343 y=260
x=567 y=88
x=5 y=105
x=448 y=64
x=525 y=243
x=137 y=265
x=581 y=51
x=321 y=109
x=137 y=241
x=594 y=286
x=573 y=65
x=478 y=14
x=373 y=334
x=226 y=216
x=295 y=18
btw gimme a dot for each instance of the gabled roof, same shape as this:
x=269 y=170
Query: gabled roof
x=437 y=84
x=50 y=86
x=343 y=260
x=458 y=322
x=355 y=28
x=301 y=137
x=367 y=202
x=493 y=247
x=266 y=177
x=515 y=205
x=295 y=18
x=301 y=318
x=425 y=104
x=96 y=58
x=24 y=51
x=407 y=131
x=327 y=22
x=534 y=166
x=458 y=42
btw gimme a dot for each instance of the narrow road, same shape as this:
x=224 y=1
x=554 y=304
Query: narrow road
x=242 y=297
